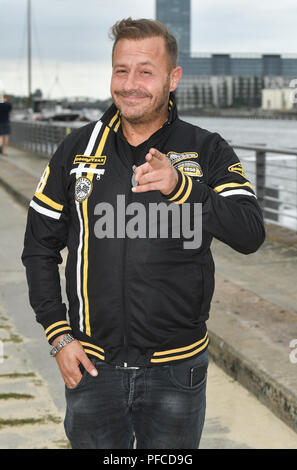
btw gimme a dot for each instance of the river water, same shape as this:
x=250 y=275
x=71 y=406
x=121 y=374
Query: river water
x=281 y=170
x=275 y=133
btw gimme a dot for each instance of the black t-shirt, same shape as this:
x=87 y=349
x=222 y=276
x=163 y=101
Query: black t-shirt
x=137 y=152
x=5 y=109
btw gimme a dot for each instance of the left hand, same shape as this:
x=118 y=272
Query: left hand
x=156 y=174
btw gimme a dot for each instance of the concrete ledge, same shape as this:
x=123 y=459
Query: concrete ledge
x=17 y=182
x=282 y=235
x=271 y=393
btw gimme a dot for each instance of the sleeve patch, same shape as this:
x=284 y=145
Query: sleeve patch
x=237 y=168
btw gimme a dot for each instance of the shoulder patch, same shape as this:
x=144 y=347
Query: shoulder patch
x=237 y=168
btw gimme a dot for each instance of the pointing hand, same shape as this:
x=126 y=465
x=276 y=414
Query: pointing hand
x=156 y=174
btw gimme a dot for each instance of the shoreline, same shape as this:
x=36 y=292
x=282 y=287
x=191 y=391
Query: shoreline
x=243 y=114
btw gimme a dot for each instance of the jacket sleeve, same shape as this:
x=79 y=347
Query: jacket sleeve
x=230 y=210
x=46 y=235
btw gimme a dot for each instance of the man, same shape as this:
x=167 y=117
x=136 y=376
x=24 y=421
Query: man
x=5 y=109
x=137 y=305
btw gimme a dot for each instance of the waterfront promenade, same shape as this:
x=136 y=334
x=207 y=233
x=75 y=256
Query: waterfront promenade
x=253 y=321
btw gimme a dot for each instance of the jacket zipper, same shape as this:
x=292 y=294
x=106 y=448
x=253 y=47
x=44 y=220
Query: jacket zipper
x=125 y=338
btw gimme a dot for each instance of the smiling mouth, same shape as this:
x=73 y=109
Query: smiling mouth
x=132 y=97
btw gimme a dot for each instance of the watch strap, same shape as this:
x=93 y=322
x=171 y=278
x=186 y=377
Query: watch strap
x=60 y=344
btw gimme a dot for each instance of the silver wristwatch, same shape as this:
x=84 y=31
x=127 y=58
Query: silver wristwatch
x=60 y=344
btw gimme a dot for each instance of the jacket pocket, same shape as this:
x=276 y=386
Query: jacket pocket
x=208 y=288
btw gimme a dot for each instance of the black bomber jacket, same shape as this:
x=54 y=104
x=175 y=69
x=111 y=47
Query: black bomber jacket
x=134 y=297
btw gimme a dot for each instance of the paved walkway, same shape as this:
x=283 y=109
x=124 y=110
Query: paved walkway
x=252 y=323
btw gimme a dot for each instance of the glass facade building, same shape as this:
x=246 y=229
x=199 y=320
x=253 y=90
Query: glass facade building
x=176 y=15
x=244 y=65
x=229 y=79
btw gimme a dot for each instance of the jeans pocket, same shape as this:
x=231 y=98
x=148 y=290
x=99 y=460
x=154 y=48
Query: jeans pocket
x=180 y=374
x=82 y=380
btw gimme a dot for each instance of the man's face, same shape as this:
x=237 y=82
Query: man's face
x=141 y=79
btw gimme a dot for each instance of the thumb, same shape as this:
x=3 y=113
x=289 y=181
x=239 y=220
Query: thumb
x=88 y=365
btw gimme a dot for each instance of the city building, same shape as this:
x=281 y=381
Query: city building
x=221 y=80
x=176 y=14
x=280 y=99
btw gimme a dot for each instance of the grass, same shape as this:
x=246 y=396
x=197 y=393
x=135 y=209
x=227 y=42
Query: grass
x=17 y=375
x=26 y=421
x=13 y=338
x=15 y=396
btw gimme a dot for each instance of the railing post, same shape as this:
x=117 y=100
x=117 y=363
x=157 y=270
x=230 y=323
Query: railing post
x=260 y=176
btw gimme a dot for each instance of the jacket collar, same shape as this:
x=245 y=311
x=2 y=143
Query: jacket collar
x=112 y=117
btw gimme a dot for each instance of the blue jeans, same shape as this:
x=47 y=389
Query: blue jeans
x=154 y=405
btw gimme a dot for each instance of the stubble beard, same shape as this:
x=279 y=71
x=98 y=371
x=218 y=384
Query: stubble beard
x=145 y=115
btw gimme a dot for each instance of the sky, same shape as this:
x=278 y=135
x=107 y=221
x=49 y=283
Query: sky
x=72 y=51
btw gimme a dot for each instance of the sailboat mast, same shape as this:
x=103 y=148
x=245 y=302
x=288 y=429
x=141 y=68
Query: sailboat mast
x=29 y=54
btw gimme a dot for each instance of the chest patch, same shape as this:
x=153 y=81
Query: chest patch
x=83 y=188
x=175 y=157
x=189 y=168
x=89 y=159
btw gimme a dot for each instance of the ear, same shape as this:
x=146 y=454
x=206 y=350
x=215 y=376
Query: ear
x=175 y=77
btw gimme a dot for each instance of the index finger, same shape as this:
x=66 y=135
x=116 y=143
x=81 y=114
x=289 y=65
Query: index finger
x=157 y=154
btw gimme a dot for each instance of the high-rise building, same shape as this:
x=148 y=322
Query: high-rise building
x=221 y=79
x=176 y=15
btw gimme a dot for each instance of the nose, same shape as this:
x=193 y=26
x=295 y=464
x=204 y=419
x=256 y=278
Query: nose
x=130 y=84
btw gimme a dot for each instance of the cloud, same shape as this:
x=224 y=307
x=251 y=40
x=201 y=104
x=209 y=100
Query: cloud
x=65 y=29
x=73 y=35
x=245 y=26
x=58 y=79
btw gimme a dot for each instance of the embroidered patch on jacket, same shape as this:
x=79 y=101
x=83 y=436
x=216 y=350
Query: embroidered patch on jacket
x=89 y=159
x=189 y=168
x=175 y=157
x=83 y=188
x=43 y=180
x=237 y=168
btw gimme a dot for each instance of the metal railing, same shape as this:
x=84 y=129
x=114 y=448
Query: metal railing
x=39 y=137
x=272 y=172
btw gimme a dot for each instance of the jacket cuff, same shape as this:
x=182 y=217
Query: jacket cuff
x=182 y=189
x=188 y=190
x=55 y=324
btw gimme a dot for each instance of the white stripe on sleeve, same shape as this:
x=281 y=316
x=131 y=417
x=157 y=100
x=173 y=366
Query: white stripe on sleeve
x=232 y=192
x=44 y=211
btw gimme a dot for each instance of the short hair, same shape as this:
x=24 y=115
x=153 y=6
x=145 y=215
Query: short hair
x=144 y=28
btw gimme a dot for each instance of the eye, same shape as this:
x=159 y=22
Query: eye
x=146 y=72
